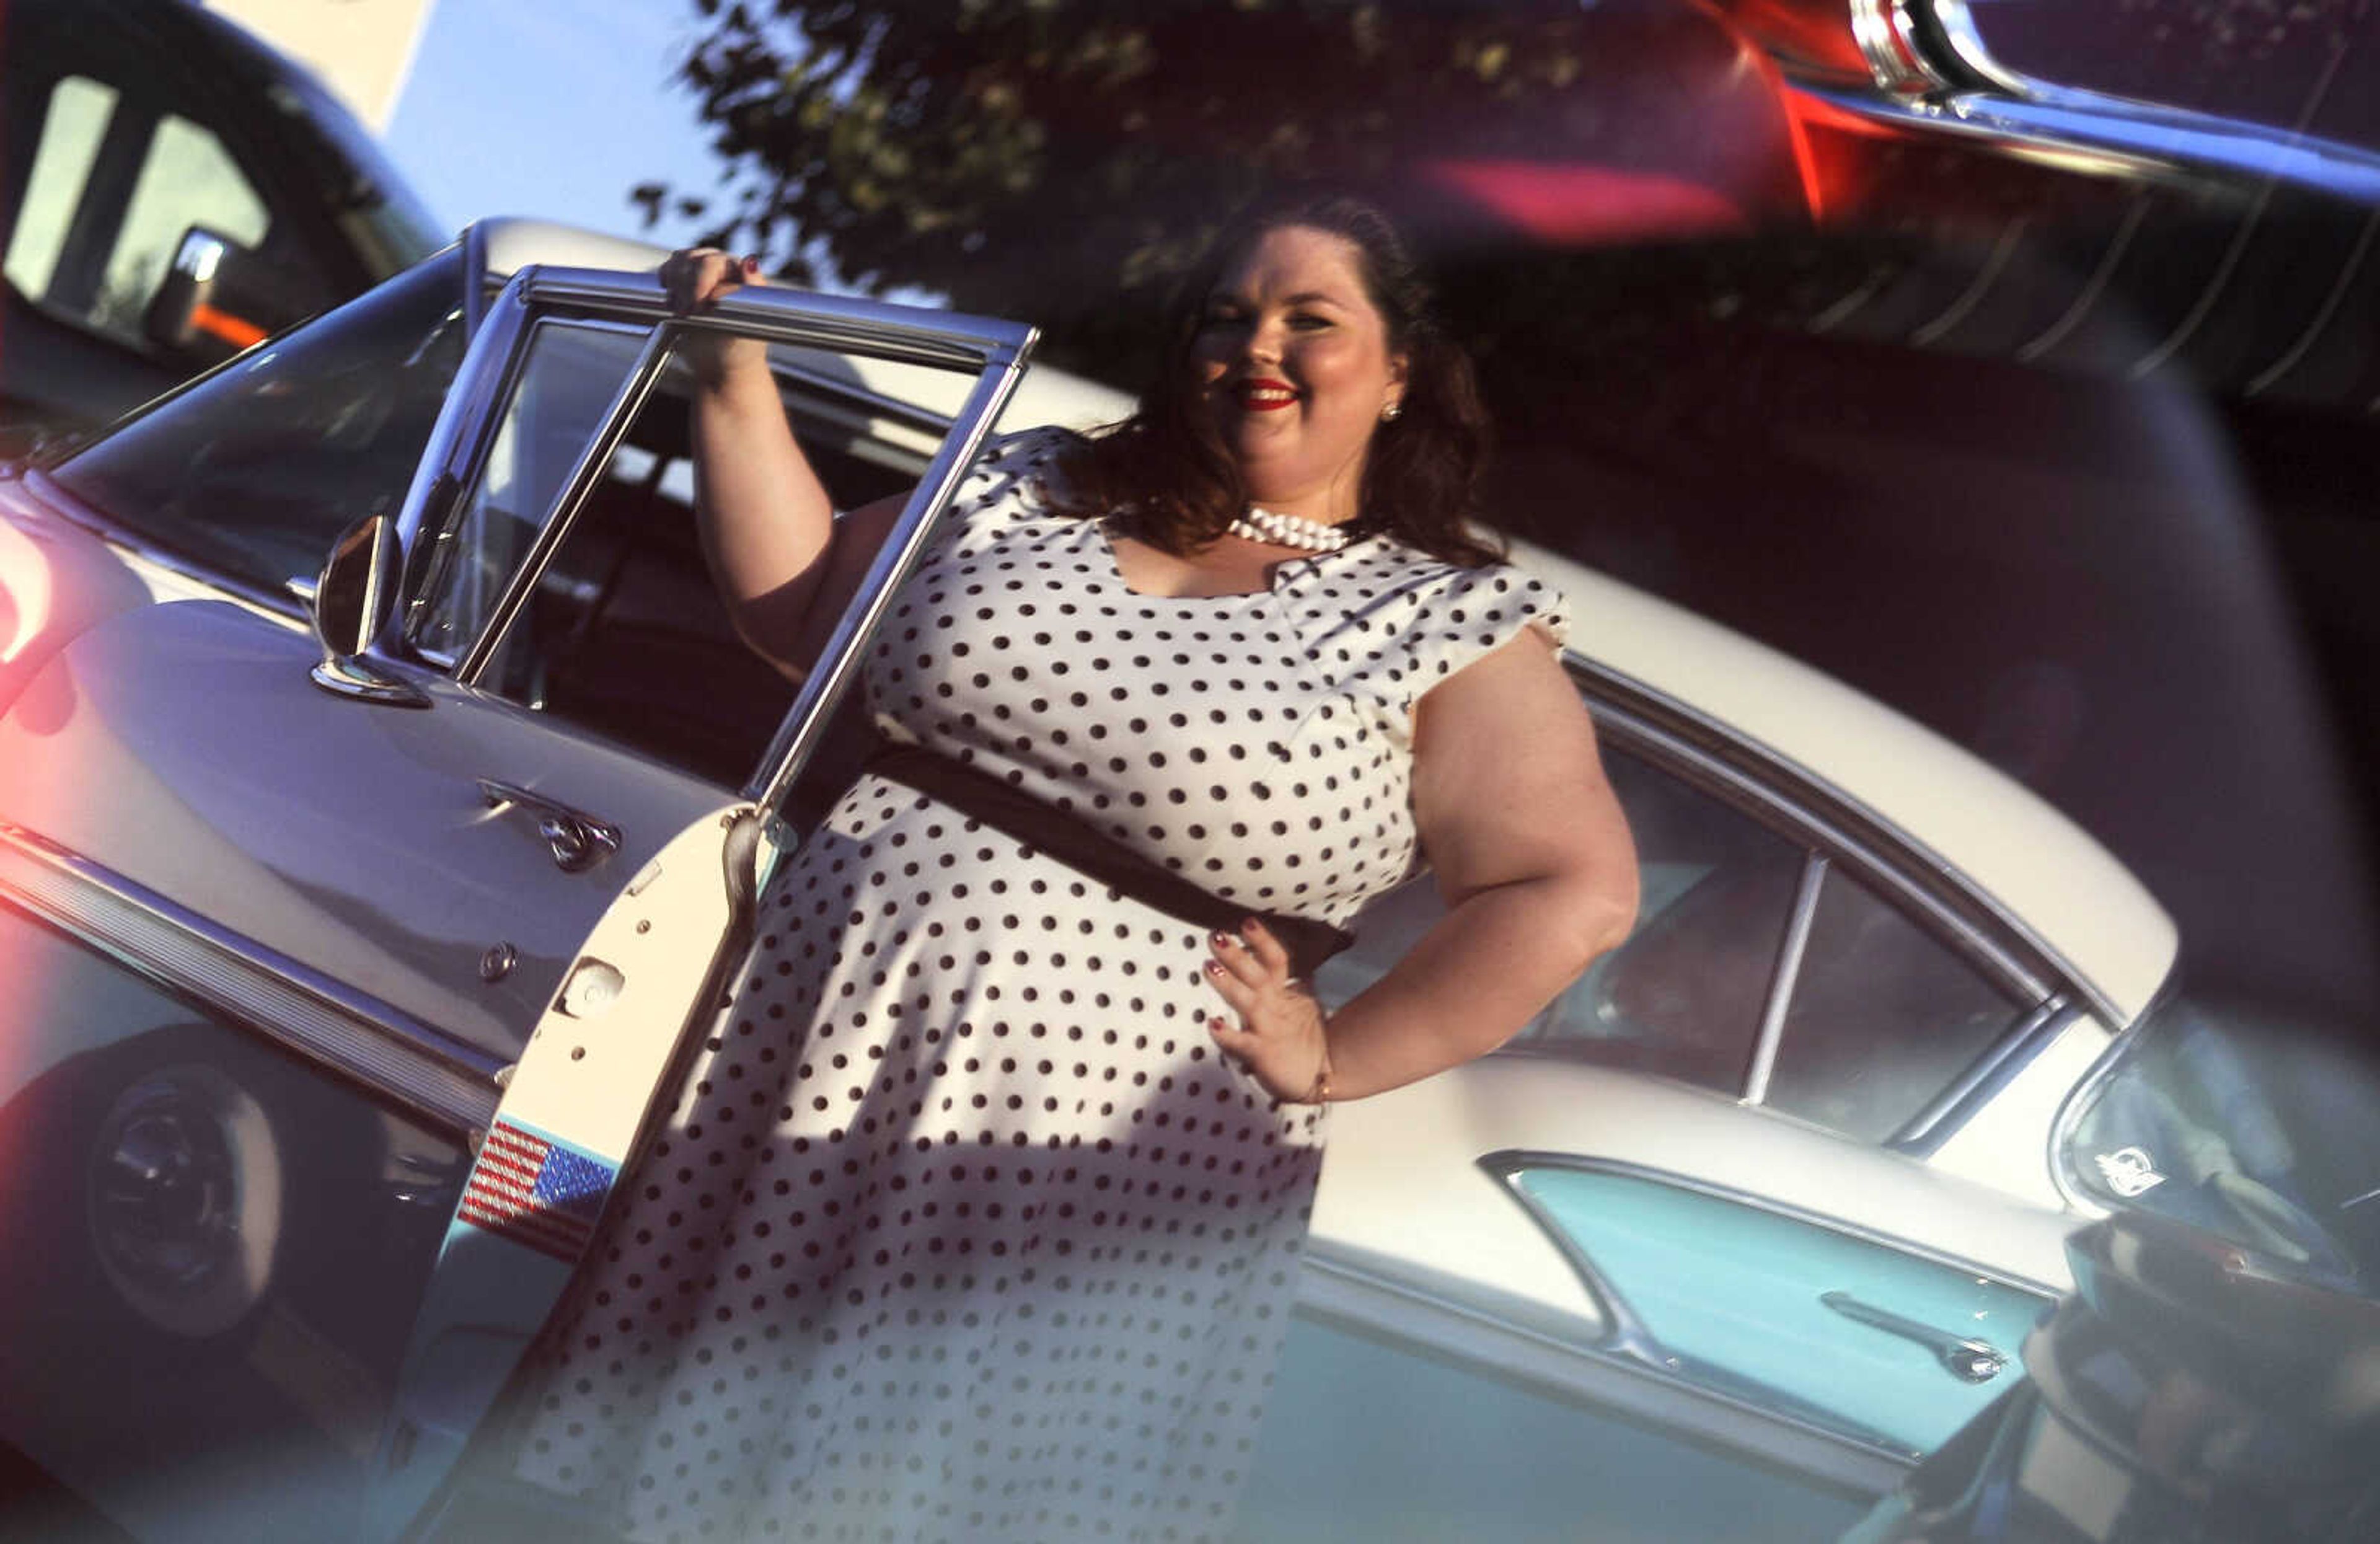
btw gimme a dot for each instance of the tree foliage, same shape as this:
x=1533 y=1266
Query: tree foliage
x=1067 y=159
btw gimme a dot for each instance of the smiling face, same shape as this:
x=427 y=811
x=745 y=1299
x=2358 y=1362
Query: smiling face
x=1293 y=362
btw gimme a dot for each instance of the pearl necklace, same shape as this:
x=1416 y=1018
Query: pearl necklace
x=1287 y=531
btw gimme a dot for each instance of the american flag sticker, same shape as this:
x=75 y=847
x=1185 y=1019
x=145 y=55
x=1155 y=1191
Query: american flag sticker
x=536 y=1192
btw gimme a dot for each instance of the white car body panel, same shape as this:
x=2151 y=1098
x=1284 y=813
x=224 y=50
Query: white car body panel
x=1402 y=1189
x=2006 y=1144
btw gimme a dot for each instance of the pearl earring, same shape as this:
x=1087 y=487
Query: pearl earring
x=1389 y=414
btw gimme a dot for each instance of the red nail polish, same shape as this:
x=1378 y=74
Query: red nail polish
x=751 y=265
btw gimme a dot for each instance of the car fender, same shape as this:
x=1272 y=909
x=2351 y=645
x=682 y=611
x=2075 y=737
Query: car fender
x=57 y=581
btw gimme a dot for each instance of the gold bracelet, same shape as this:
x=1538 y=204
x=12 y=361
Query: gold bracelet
x=1320 y=1092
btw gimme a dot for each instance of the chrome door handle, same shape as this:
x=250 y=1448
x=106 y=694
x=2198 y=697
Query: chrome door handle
x=577 y=840
x=1968 y=1359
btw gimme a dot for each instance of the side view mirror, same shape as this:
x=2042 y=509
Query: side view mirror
x=196 y=308
x=354 y=599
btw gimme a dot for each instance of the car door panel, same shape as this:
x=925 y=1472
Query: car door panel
x=574 y=1109
x=1420 y=1244
x=379 y=859
x=1783 y=1309
x=1368 y=1440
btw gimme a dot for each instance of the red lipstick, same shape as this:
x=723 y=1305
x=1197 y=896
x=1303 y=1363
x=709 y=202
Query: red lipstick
x=1264 y=394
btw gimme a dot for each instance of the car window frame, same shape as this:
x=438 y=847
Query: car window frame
x=994 y=351
x=1836 y=832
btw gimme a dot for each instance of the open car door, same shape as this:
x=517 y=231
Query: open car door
x=651 y=975
x=347 y=959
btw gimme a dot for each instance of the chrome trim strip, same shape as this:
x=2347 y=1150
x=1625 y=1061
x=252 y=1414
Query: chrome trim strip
x=2108 y=135
x=556 y=525
x=2086 y=1093
x=2279 y=370
x=2095 y=288
x=1507 y=1167
x=805 y=724
x=1956 y=28
x=2003 y=251
x=474 y=270
x=457 y=440
x=1538 y=1357
x=1662 y=728
x=1782 y=983
x=66 y=506
x=1888 y=39
x=1924 y=1134
x=429 y=1075
x=2211 y=294
x=1504 y=1163
x=846 y=325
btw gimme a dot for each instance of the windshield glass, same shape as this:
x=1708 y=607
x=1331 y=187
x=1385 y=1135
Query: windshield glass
x=254 y=471
x=2243 y=1126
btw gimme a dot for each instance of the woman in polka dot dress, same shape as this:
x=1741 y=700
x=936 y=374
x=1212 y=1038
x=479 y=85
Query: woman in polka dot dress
x=979 y=1219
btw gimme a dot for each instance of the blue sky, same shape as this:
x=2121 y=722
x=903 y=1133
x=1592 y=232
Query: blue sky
x=552 y=108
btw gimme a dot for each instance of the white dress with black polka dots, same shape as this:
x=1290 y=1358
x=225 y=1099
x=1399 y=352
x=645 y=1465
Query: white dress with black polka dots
x=965 y=1229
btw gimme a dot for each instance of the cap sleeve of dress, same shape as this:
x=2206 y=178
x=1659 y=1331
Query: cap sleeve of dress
x=1005 y=477
x=1470 y=612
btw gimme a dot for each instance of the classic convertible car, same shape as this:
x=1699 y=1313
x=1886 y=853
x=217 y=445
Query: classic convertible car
x=303 y=877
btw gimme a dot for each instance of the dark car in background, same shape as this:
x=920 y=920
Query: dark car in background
x=127 y=126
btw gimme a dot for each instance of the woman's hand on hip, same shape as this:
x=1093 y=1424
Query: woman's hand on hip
x=1280 y=1038
x=695 y=278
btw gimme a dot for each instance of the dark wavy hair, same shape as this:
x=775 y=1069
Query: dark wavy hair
x=1167 y=464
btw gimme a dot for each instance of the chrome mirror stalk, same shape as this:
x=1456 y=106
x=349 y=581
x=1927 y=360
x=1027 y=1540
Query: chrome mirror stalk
x=353 y=600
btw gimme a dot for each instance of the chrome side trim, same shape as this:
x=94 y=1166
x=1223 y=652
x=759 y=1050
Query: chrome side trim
x=475 y=268
x=1926 y=1133
x=912 y=335
x=2084 y=131
x=2279 y=370
x=1505 y=1165
x=429 y=1075
x=1956 y=29
x=1664 y=730
x=1788 y=974
x=1928 y=334
x=1507 y=1168
x=2086 y=1093
x=2095 y=288
x=1341 y=1293
x=1887 y=37
x=281 y=605
x=2158 y=358
x=464 y=427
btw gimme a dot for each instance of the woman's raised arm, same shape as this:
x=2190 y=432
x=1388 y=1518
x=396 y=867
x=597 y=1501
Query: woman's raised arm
x=782 y=562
